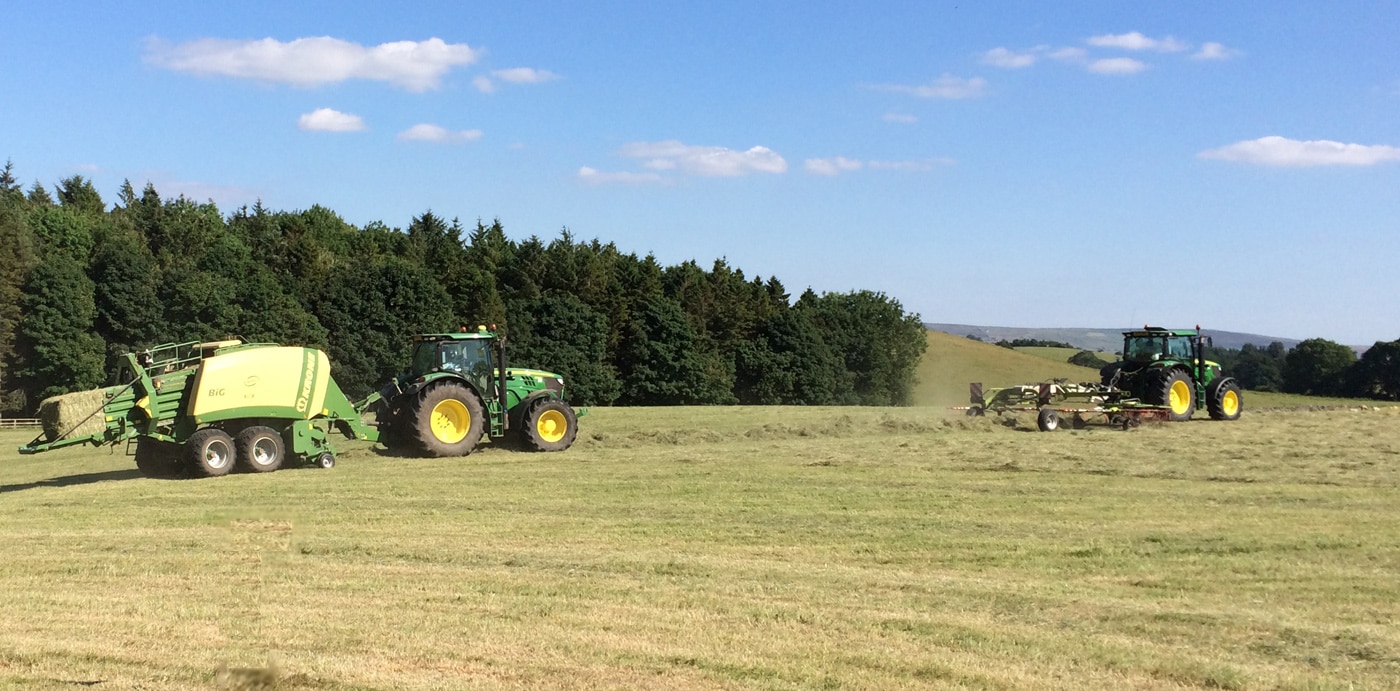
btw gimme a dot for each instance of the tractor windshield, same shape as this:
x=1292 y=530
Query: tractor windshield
x=1145 y=348
x=471 y=359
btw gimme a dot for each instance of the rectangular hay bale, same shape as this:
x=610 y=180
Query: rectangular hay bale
x=77 y=414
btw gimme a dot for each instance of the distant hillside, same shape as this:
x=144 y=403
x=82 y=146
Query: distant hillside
x=952 y=362
x=1107 y=340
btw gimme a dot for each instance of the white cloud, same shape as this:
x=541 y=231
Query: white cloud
x=1291 y=153
x=1136 y=41
x=1003 y=57
x=946 y=86
x=330 y=120
x=484 y=85
x=831 y=166
x=1116 y=66
x=901 y=118
x=1071 y=54
x=706 y=161
x=425 y=132
x=841 y=164
x=413 y=65
x=524 y=75
x=1214 y=51
x=596 y=177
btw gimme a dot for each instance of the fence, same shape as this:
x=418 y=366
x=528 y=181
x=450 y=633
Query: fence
x=16 y=422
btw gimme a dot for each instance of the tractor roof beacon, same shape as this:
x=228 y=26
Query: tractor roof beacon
x=1167 y=367
x=459 y=388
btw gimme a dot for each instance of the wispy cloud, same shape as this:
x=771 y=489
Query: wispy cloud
x=425 y=132
x=1214 y=51
x=831 y=166
x=596 y=177
x=901 y=118
x=705 y=161
x=1116 y=66
x=1136 y=41
x=1291 y=153
x=513 y=75
x=1009 y=59
x=840 y=164
x=665 y=160
x=946 y=87
x=412 y=65
x=330 y=120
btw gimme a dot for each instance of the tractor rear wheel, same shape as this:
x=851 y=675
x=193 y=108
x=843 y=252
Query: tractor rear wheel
x=445 y=420
x=260 y=449
x=1174 y=389
x=551 y=425
x=1224 y=400
x=209 y=452
x=158 y=459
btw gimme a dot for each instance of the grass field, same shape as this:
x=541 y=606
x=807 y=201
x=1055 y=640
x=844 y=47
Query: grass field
x=773 y=548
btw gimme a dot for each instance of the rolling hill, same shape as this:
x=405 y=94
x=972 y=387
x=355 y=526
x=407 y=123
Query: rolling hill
x=1109 y=340
x=952 y=362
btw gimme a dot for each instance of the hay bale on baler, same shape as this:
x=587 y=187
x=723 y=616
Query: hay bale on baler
x=76 y=414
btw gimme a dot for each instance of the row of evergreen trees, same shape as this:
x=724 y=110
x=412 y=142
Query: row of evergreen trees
x=80 y=284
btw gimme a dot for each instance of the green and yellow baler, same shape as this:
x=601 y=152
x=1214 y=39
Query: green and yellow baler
x=202 y=408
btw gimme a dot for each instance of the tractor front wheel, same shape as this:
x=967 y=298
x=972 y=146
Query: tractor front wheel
x=1175 y=390
x=209 y=453
x=446 y=420
x=551 y=425
x=1224 y=400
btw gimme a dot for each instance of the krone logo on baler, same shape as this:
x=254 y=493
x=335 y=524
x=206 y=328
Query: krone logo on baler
x=307 y=380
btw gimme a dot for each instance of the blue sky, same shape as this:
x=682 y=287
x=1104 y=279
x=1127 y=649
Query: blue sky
x=1091 y=164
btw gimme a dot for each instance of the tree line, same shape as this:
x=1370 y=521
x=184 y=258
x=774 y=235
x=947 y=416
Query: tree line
x=81 y=284
x=1316 y=367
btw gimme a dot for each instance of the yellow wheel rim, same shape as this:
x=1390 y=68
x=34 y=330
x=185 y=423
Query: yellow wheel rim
x=450 y=421
x=1180 y=398
x=1230 y=404
x=551 y=425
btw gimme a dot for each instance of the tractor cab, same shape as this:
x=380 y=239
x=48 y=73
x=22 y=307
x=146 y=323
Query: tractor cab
x=1156 y=344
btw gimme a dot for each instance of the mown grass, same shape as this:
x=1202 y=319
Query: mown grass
x=729 y=548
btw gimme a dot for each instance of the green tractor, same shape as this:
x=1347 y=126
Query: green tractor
x=459 y=388
x=1168 y=368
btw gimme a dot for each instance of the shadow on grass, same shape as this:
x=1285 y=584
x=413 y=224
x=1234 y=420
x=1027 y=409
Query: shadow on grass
x=71 y=480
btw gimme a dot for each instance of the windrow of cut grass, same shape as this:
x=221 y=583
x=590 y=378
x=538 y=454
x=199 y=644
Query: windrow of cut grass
x=729 y=548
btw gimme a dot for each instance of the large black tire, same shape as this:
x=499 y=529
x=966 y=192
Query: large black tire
x=210 y=452
x=1174 y=389
x=1224 y=399
x=158 y=459
x=445 y=420
x=550 y=425
x=260 y=449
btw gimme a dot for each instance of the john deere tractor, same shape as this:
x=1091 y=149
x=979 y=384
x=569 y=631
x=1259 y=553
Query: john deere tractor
x=459 y=388
x=1168 y=368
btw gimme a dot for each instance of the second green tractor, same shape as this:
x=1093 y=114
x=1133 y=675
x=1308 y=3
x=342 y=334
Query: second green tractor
x=459 y=389
x=1167 y=367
